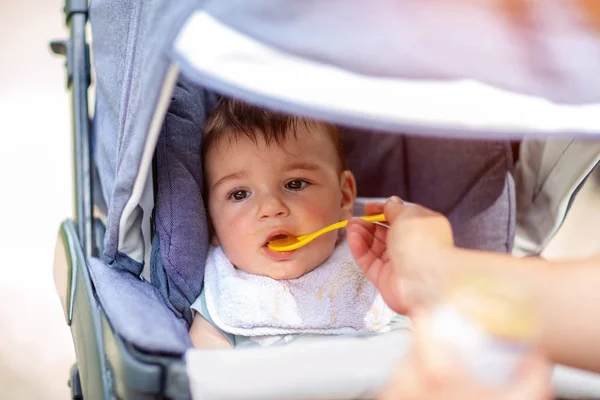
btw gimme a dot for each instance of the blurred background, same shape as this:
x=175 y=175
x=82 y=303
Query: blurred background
x=36 y=180
x=36 y=351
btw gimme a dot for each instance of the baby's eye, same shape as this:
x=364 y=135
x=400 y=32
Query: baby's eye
x=296 y=184
x=239 y=195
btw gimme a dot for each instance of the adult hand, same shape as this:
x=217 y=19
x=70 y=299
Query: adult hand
x=405 y=261
x=432 y=371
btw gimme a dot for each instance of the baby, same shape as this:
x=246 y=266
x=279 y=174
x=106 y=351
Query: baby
x=269 y=176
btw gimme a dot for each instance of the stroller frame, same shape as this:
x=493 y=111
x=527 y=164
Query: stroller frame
x=124 y=371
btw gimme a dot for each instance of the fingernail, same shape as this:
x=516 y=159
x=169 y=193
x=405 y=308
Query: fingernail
x=395 y=200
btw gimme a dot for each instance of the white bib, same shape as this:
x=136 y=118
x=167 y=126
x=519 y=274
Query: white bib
x=335 y=298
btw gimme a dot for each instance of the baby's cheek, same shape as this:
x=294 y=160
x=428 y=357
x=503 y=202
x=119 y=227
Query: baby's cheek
x=238 y=252
x=241 y=241
x=322 y=249
x=321 y=215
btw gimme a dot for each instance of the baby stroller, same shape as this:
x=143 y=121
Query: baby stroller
x=130 y=264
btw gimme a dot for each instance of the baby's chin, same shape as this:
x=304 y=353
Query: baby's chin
x=303 y=261
x=283 y=270
x=293 y=274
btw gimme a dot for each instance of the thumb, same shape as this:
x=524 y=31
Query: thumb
x=392 y=208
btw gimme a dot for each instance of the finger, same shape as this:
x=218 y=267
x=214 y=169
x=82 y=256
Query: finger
x=377 y=229
x=380 y=233
x=368 y=252
x=358 y=241
x=367 y=229
x=360 y=236
x=368 y=260
x=373 y=236
x=373 y=207
x=378 y=245
x=392 y=208
x=357 y=223
x=359 y=233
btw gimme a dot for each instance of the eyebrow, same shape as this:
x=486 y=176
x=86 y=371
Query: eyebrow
x=235 y=175
x=303 y=165
x=290 y=167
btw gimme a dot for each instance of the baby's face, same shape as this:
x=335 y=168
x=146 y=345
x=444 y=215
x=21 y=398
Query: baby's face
x=256 y=193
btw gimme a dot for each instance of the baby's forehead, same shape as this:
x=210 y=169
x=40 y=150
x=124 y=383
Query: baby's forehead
x=290 y=143
x=301 y=148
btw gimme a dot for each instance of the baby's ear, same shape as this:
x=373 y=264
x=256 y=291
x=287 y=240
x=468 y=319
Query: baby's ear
x=348 y=187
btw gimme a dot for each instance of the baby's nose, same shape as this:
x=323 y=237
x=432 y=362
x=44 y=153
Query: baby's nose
x=271 y=207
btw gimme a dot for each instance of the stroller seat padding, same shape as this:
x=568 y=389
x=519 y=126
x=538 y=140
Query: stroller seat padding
x=137 y=311
x=180 y=244
x=469 y=181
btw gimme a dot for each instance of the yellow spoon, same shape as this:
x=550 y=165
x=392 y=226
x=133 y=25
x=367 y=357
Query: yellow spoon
x=293 y=243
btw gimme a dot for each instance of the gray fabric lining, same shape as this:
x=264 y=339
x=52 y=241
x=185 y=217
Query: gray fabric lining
x=137 y=311
x=469 y=181
x=180 y=217
x=126 y=97
x=549 y=175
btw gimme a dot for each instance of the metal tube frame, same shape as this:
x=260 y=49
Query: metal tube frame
x=76 y=51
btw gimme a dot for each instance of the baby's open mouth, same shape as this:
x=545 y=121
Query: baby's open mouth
x=277 y=237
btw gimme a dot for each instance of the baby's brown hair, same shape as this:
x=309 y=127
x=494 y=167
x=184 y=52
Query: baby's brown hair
x=236 y=119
